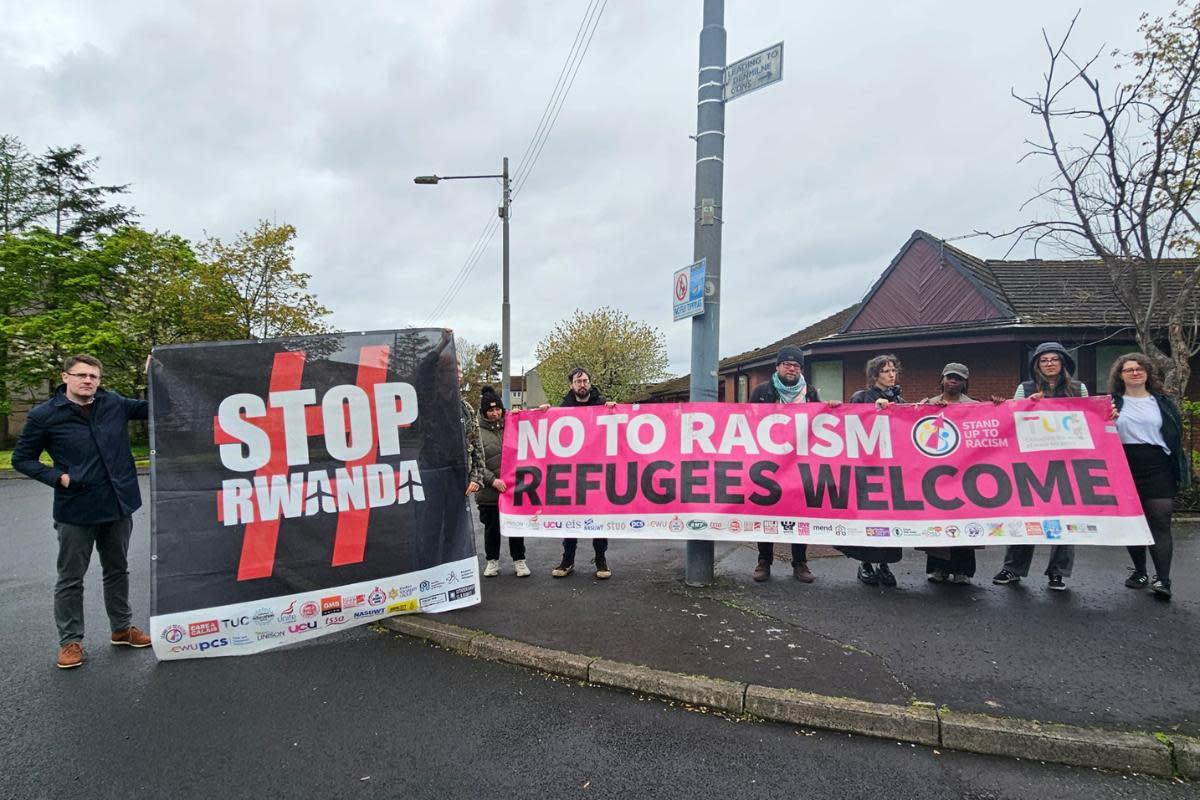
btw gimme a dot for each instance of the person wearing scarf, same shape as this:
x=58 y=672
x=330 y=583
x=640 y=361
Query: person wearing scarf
x=787 y=385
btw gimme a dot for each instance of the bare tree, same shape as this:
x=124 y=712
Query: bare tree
x=1126 y=171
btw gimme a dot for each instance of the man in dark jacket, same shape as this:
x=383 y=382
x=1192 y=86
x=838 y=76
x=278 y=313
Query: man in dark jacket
x=582 y=393
x=85 y=430
x=787 y=385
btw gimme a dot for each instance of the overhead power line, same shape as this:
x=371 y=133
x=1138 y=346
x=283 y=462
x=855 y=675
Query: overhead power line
x=533 y=150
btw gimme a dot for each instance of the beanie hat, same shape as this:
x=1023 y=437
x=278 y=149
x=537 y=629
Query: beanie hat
x=488 y=399
x=789 y=353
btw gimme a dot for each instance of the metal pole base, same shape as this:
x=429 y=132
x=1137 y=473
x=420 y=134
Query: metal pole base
x=699 y=571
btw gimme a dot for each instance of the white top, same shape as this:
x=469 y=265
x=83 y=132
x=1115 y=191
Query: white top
x=1140 y=422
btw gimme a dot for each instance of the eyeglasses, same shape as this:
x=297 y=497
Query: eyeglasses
x=1133 y=371
x=1051 y=360
x=789 y=364
x=84 y=376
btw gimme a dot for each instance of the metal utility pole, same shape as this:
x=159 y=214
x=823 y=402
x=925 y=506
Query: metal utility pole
x=505 y=329
x=505 y=212
x=710 y=174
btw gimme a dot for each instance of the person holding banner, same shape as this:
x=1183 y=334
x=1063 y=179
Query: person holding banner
x=85 y=430
x=1052 y=370
x=883 y=389
x=582 y=393
x=1151 y=429
x=491 y=433
x=951 y=564
x=787 y=385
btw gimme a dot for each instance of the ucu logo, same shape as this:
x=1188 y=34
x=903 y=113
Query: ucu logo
x=301 y=627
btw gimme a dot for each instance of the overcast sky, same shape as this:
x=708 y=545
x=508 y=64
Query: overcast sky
x=319 y=114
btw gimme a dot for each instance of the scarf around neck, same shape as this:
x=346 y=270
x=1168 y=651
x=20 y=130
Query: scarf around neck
x=790 y=394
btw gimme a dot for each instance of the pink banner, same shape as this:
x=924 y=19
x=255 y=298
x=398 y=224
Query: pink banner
x=1021 y=472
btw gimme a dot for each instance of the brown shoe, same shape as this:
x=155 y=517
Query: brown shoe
x=802 y=573
x=131 y=637
x=70 y=655
x=762 y=571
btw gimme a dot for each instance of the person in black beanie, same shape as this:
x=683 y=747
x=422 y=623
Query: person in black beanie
x=787 y=385
x=491 y=432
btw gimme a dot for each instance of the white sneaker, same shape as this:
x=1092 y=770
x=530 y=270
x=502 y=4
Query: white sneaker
x=522 y=568
x=492 y=569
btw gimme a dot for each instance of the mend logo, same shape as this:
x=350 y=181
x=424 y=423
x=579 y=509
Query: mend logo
x=209 y=626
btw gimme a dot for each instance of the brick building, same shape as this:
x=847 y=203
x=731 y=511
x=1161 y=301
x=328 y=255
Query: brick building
x=935 y=303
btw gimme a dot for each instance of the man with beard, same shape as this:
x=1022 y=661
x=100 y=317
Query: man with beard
x=582 y=393
x=787 y=385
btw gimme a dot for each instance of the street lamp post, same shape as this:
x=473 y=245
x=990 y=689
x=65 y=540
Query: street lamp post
x=505 y=211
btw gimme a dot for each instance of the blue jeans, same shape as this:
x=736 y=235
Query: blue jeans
x=75 y=544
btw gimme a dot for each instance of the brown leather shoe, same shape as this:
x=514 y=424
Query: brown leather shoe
x=70 y=655
x=802 y=573
x=131 y=637
x=762 y=571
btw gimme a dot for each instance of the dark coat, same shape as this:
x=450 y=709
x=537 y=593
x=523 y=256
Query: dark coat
x=875 y=393
x=1172 y=431
x=877 y=555
x=94 y=452
x=594 y=399
x=765 y=393
x=492 y=436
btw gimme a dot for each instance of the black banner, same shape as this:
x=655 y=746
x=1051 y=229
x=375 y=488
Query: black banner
x=293 y=465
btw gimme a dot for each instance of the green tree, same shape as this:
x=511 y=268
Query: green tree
x=79 y=207
x=56 y=299
x=621 y=354
x=269 y=296
x=480 y=367
x=19 y=205
x=1125 y=185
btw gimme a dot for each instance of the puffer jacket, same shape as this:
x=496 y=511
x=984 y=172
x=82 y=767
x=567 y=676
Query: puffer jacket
x=492 y=436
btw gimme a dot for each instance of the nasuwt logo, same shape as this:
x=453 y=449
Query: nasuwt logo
x=935 y=436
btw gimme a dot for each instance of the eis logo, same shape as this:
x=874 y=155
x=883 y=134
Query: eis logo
x=935 y=436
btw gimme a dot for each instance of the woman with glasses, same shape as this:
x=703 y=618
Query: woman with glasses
x=882 y=390
x=1151 y=429
x=1052 y=375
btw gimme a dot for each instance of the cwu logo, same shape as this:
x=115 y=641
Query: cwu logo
x=936 y=436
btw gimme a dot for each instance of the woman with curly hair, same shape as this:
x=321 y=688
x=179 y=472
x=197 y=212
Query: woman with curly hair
x=882 y=390
x=1151 y=429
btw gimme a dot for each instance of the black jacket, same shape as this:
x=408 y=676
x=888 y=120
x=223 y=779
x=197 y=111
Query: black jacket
x=1172 y=431
x=94 y=452
x=594 y=399
x=875 y=393
x=765 y=393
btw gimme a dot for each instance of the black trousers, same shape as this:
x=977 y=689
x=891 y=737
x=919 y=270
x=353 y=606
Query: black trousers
x=600 y=546
x=766 y=552
x=490 y=517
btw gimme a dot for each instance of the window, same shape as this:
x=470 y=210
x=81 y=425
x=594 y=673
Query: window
x=827 y=377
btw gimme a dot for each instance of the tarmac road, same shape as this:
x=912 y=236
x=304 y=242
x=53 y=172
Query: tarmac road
x=364 y=713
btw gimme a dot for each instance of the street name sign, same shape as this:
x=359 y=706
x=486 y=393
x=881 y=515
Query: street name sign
x=754 y=72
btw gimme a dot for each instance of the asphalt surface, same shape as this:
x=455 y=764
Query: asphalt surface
x=367 y=714
x=1097 y=654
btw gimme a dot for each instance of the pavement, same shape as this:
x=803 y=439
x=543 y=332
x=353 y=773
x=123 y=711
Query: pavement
x=1099 y=675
